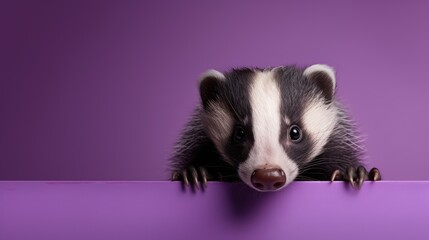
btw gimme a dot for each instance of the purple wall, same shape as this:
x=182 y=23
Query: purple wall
x=100 y=90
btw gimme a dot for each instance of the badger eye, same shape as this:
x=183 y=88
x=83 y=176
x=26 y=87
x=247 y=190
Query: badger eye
x=295 y=133
x=239 y=134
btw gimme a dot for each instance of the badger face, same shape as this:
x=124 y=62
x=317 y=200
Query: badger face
x=269 y=123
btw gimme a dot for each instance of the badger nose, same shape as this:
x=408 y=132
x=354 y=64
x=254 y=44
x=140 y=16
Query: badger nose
x=268 y=179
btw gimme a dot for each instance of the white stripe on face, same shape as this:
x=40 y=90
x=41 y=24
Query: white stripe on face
x=267 y=152
x=319 y=120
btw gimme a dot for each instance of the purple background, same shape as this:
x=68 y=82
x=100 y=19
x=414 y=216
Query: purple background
x=100 y=89
x=144 y=210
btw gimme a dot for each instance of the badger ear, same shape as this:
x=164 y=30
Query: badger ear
x=324 y=77
x=210 y=84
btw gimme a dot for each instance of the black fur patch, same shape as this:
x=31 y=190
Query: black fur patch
x=325 y=84
x=235 y=95
x=210 y=89
x=296 y=91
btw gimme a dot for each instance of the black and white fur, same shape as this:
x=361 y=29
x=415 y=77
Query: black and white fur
x=265 y=104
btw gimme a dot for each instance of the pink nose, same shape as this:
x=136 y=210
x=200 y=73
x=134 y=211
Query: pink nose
x=268 y=179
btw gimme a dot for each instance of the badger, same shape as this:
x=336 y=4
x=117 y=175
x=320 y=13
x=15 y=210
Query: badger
x=268 y=127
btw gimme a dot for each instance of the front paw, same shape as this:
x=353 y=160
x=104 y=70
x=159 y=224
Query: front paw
x=192 y=177
x=356 y=175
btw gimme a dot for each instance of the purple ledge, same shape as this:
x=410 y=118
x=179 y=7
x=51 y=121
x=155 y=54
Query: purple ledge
x=162 y=210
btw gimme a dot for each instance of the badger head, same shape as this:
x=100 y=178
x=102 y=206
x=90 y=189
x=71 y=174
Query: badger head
x=267 y=123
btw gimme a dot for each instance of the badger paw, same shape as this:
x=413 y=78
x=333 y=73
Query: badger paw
x=356 y=176
x=192 y=177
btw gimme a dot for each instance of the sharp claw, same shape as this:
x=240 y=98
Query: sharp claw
x=375 y=174
x=357 y=177
x=335 y=175
x=185 y=178
x=351 y=175
x=195 y=178
x=174 y=176
x=362 y=176
x=203 y=176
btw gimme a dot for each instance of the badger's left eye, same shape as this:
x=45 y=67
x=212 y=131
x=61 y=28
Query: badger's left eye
x=239 y=134
x=295 y=133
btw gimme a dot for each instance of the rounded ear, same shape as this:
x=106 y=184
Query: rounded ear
x=324 y=77
x=210 y=85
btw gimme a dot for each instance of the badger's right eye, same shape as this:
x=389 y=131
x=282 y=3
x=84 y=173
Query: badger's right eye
x=239 y=134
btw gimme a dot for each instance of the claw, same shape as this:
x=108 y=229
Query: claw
x=362 y=176
x=377 y=176
x=356 y=176
x=175 y=176
x=351 y=173
x=374 y=174
x=193 y=177
x=336 y=175
x=195 y=182
x=203 y=173
x=185 y=177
